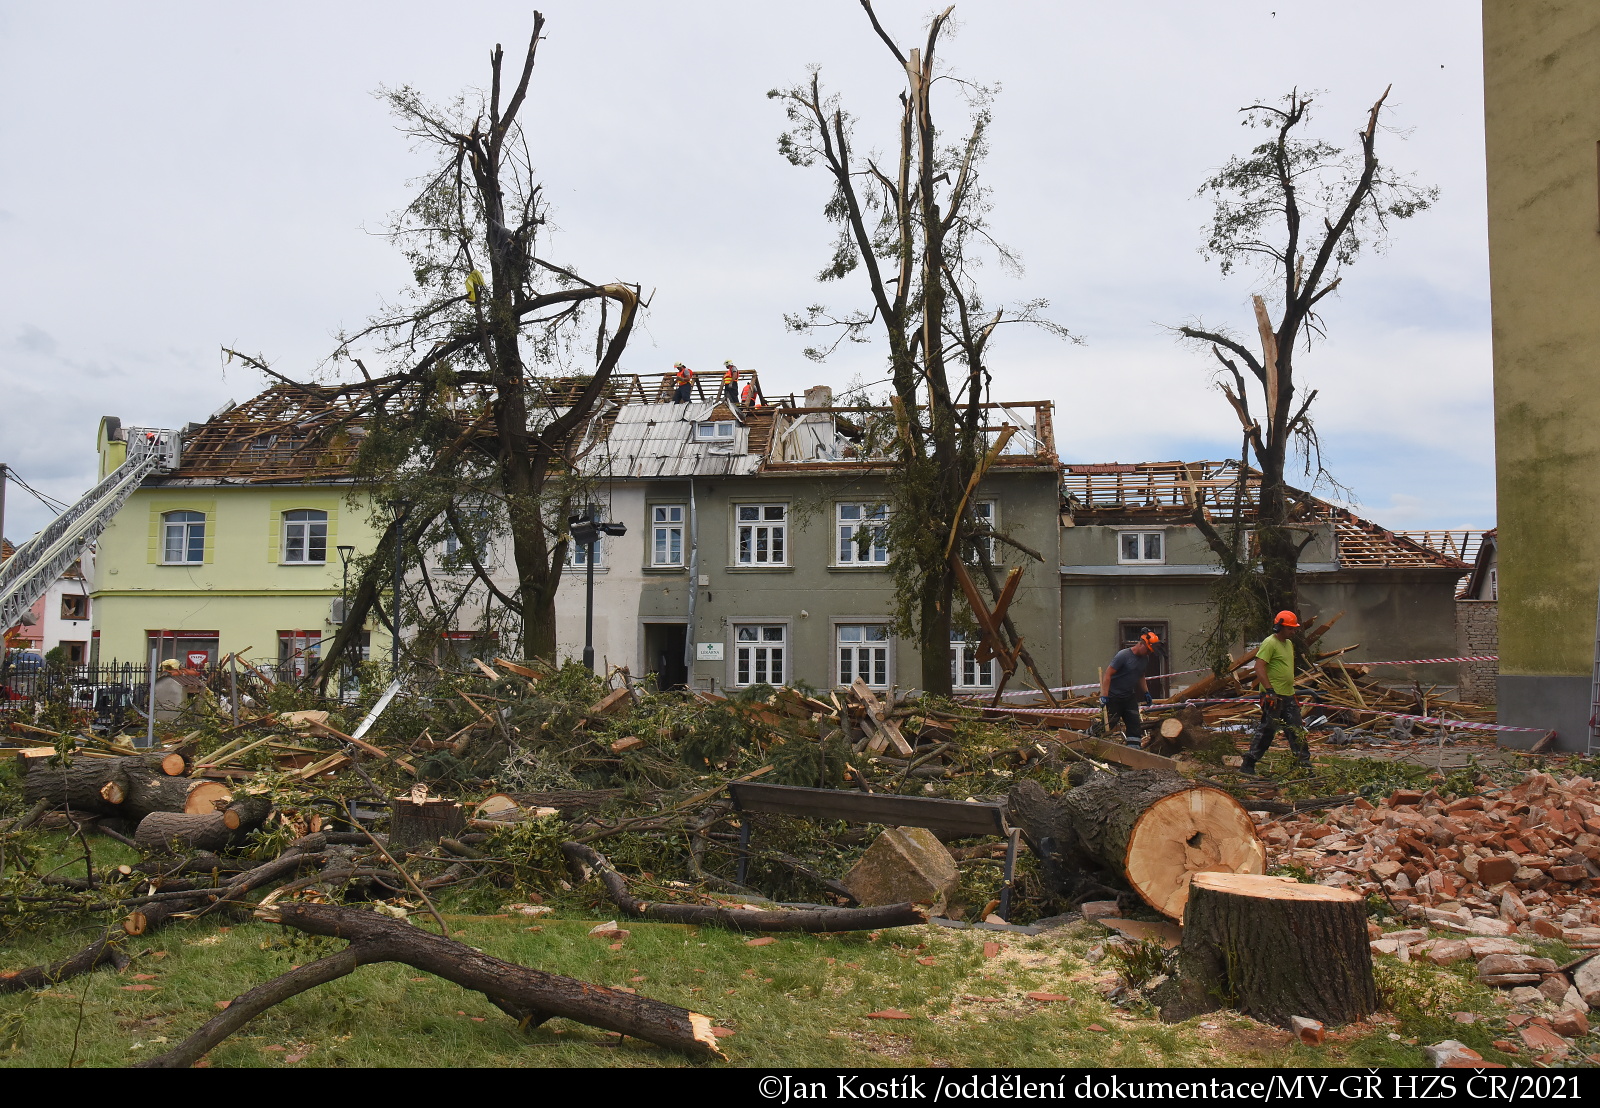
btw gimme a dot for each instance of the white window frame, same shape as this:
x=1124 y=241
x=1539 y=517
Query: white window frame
x=849 y=517
x=988 y=511
x=578 y=553
x=1143 y=548
x=471 y=517
x=754 y=539
x=185 y=530
x=305 y=528
x=877 y=653
x=754 y=645
x=666 y=524
x=715 y=430
x=964 y=662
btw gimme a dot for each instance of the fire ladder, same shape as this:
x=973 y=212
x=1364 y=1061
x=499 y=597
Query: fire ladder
x=27 y=574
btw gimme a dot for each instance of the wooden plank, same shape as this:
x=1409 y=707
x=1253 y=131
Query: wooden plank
x=375 y=751
x=955 y=816
x=1007 y=591
x=1130 y=756
x=1208 y=683
x=485 y=670
x=520 y=671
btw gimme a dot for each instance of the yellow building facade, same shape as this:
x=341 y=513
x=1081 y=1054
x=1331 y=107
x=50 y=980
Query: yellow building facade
x=201 y=561
x=1542 y=131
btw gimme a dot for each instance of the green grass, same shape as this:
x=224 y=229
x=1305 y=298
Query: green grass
x=801 y=1001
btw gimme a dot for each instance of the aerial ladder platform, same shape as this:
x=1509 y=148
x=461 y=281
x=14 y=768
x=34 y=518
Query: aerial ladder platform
x=27 y=574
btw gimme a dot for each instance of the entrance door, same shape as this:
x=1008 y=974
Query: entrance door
x=1128 y=632
x=663 y=655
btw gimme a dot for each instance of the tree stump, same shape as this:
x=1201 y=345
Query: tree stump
x=1157 y=830
x=418 y=819
x=1273 y=949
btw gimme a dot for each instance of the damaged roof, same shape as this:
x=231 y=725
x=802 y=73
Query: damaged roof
x=1168 y=492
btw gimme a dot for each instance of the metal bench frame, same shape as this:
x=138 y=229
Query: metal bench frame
x=955 y=817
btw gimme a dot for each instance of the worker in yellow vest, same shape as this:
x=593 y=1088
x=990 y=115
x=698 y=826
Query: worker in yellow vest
x=730 y=383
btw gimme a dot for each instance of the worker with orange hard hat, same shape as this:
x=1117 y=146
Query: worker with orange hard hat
x=1122 y=686
x=730 y=383
x=1274 y=670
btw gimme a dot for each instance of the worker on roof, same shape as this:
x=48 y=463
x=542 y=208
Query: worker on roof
x=1122 y=687
x=682 y=380
x=1279 y=710
x=730 y=383
x=750 y=398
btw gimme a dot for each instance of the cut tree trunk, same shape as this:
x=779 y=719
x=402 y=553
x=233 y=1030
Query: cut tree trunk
x=131 y=787
x=1273 y=948
x=417 y=820
x=1158 y=829
x=172 y=831
x=1184 y=731
x=816 y=920
x=528 y=995
x=1152 y=828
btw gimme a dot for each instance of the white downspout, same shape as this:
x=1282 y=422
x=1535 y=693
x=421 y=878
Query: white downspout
x=694 y=585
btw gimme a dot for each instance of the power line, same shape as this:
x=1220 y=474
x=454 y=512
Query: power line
x=56 y=506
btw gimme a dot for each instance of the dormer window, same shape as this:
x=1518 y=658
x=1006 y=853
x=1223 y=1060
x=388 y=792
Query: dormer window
x=719 y=430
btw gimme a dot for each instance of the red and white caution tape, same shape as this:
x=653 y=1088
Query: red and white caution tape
x=1432 y=661
x=1451 y=724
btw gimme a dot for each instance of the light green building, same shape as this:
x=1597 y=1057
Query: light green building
x=239 y=548
x=1541 y=84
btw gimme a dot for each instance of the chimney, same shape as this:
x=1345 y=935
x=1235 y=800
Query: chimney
x=819 y=396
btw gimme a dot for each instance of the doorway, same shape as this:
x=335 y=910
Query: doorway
x=663 y=655
x=1155 y=674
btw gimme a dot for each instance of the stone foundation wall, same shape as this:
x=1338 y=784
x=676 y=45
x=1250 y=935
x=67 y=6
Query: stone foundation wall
x=1478 y=633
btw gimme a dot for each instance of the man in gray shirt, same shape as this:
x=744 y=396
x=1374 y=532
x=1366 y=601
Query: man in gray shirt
x=1122 y=687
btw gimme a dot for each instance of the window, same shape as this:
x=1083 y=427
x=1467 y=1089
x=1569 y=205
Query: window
x=758 y=654
x=666 y=535
x=966 y=672
x=305 y=536
x=761 y=534
x=77 y=651
x=720 y=430
x=578 y=553
x=864 y=653
x=180 y=644
x=983 y=512
x=1140 y=546
x=298 y=652
x=74 y=606
x=863 y=534
x=183 y=538
x=461 y=548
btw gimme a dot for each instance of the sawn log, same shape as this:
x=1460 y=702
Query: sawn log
x=800 y=919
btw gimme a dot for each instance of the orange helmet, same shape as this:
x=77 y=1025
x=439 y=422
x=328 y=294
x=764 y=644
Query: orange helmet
x=1150 y=639
x=1286 y=619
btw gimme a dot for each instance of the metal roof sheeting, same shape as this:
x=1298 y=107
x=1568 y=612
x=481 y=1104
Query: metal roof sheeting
x=657 y=440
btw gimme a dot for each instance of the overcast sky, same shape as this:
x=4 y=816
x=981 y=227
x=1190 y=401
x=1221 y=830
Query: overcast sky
x=174 y=177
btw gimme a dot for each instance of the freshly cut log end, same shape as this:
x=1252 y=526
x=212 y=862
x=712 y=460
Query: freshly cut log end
x=207 y=797
x=174 y=765
x=1274 y=949
x=114 y=791
x=494 y=804
x=1157 y=830
x=136 y=923
x=1198 y=831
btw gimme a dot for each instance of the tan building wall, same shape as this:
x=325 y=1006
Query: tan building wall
x=1542 y=124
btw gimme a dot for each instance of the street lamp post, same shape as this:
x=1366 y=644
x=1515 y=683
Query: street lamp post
x=345 y=554
x=400 y=509
x=587 y=529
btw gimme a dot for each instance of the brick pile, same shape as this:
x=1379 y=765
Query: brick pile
x=1494 y=872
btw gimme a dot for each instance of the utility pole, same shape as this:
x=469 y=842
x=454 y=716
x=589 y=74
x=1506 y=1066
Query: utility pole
x=401 y=509
x=587 y=529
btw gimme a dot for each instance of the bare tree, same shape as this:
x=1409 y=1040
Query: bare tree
x=463 y=427
x=913 y=224
x=1298 y=211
